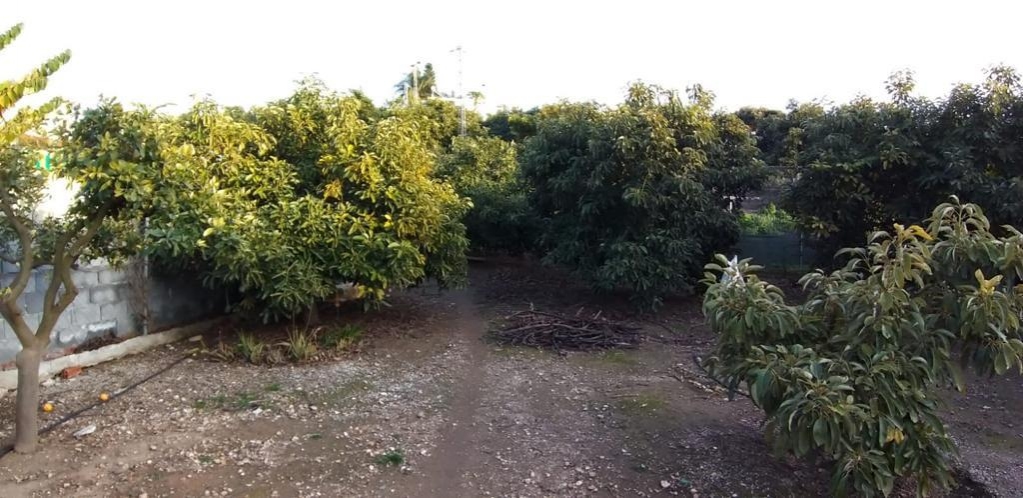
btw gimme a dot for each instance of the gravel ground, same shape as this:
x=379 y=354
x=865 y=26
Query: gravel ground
x=468 y=417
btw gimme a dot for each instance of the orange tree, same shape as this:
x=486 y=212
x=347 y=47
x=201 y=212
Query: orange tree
x=853 y=371
x=288 y=202
x=112 y=193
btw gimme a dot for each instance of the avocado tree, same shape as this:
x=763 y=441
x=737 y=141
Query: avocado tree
x=636 y=197
x=853 y=371
x=865 y=164
x=486 y=171
x=109 y=191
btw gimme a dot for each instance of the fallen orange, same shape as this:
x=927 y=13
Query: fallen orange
x=104 y=396
x=47 y=407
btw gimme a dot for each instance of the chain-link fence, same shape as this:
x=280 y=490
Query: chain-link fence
x=785 y=252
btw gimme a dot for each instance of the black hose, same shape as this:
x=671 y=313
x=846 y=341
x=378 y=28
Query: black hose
x=732 y=390
x=61 y=421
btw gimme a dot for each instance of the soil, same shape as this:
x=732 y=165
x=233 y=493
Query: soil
x=430 y=407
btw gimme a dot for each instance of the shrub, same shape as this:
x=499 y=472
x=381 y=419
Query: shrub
x=635 y=197
x=854 y=370
x=251 y=348
x=485 y=170
x=284 y=205
x=341 y=337
x=301 y=344
x=769 y=221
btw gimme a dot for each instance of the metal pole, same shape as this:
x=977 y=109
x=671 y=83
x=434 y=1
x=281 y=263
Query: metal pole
x=415 y=82
x=461 y=95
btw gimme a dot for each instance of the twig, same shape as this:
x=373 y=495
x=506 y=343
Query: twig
x=706 y=373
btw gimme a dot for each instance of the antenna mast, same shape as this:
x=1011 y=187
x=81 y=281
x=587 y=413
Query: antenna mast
x=461 y=95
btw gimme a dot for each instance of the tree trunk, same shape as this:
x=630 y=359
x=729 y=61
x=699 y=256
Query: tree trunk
x=26 y=417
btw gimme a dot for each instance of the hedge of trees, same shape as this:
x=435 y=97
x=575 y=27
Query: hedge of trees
x=863 y=165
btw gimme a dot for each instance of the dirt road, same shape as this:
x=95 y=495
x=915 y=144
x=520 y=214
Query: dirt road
x=428 y=407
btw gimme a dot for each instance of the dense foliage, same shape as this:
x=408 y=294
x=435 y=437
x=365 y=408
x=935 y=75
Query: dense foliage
x=287 y=208
x=513 y=125
x=636 y=197
x=485 y=170
x=767 y=221
x=863 y=165
x=854 y=370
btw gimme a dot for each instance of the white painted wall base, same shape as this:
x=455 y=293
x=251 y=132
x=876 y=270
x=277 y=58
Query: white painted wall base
x=9 y=378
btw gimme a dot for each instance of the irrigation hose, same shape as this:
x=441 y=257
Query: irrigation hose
x=116 y=394
x=732 y=390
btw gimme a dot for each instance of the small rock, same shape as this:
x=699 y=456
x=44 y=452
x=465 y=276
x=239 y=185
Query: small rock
x=665 y=484
x=85 y=431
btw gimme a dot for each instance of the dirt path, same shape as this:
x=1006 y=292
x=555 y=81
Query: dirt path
x=442 y=474
x=465 y=417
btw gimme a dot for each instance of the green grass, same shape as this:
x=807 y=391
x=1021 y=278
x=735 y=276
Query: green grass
x=340 y=338
x=251 y=348
x=301 y=345
x=641 y=404
x=272 y=387
x=391 y=458
x=616 y=357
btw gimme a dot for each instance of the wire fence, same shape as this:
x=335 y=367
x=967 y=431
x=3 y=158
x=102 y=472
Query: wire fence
x=785 y=252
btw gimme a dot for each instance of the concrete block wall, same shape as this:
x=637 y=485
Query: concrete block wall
x=107 y=304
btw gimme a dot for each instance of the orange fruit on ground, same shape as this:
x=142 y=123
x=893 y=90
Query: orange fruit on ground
x=47 y=407
x=104 y=396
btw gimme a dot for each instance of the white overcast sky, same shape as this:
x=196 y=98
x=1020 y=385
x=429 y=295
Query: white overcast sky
x=518 y=53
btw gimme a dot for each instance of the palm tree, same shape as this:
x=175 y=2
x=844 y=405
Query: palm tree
x=427 y=83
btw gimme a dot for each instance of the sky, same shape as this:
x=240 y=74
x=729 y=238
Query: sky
x=522 y=53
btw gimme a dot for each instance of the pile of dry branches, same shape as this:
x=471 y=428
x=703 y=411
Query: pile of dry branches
x=561 y=332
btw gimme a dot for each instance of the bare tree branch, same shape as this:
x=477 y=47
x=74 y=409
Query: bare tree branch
x=64 y=258
x=15 y=316
x=92 y=228
x=25 y=239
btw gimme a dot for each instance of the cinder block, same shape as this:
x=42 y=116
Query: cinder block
x=7 y=279
x=43 y=277
x=71 y=335
x=112 y=276
x=34 y=302
x=33 y=319
x=104 y=294
x=86 y=314
x=112 y=311
x=85 y=279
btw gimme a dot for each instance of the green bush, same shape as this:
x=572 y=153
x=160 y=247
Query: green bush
x=864 y=165
x=286 y=204
x=486 y=171
x=341 y=337
x=251 y=348
x=635 y=197
x=769 y=221
x=854 y=371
